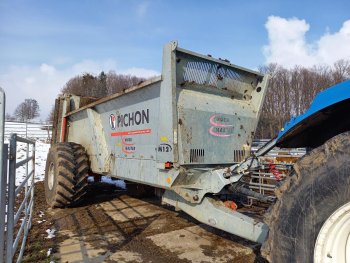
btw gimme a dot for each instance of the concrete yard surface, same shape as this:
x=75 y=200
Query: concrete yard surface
x=127 y=229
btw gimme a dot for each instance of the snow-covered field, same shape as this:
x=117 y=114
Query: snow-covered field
x=41 y=150
x=35 y=131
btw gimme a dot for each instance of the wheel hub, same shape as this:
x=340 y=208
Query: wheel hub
x=51 y=176
x=333 y=240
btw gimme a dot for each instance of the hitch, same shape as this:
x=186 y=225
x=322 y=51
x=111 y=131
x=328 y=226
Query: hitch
x=251 y=162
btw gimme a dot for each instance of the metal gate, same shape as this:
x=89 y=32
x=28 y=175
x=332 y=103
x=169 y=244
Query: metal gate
x=16 y=202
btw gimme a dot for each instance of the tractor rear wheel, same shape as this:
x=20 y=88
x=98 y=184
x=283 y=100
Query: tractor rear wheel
x=310 y=222
x=66 y=174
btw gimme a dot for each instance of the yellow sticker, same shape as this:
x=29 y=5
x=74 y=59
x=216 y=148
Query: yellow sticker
x=164 y=139
x=119 y=144
x=168 y=180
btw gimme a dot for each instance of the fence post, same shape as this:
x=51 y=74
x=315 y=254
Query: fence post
x=33 y=182
x=2 y=122
x=11 y=196
x=3 y=174
x=3 y=209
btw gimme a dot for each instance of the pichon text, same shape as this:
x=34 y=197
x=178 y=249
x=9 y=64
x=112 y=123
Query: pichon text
x=133 y=118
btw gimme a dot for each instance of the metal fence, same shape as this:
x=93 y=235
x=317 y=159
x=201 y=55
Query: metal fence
x=36 y=131
x=275 y=166
x=276 y=151
x=16 y=203
x=25 y=206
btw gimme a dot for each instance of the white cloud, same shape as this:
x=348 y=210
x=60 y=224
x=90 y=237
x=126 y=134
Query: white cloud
x=47 y=69
x=44 y=82
x=288 y=46
x=146 y=73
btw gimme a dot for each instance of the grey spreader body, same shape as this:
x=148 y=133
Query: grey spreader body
x=179 y=132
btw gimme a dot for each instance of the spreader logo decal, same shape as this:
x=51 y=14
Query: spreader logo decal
x=128 y=146
x=112 y=121
x=221 y=126
x=128 y=139
x=133 y=118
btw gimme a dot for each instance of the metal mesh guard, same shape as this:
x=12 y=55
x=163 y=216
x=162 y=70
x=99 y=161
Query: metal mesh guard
x=211 y=74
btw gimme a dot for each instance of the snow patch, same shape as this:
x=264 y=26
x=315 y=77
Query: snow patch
x=50 y=233
x=109 y=180
x=117 y=183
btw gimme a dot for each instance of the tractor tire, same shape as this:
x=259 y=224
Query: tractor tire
x=66 y=175
x=318 y=186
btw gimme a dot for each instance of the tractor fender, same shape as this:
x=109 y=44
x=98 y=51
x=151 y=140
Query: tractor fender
x=327 y=117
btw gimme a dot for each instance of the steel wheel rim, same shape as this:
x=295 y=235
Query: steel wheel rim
x=51 y=176
x=333 y=240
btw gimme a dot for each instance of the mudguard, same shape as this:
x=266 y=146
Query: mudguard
x=328 y=115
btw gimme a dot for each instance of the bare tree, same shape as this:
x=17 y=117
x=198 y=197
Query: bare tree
x=341 y=70
x=74 y=86
x=291 y=92
x=51 y=114
x=88 y=85
x=27 y=110
x=118 y=82
x=102 y=85
x=99 y=86
x=9 y=117
x=85 y=85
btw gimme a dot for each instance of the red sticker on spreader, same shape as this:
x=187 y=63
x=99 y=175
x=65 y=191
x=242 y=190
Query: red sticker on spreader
x=134 y=132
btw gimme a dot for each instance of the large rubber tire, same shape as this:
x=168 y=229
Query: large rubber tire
x=318 y=186
x=66 y=174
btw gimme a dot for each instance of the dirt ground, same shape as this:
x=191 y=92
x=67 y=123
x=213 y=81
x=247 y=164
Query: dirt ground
x=112 y=226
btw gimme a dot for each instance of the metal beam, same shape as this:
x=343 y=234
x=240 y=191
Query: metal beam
x=214 y=213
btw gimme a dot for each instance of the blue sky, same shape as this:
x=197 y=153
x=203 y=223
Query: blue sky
x=44 y=43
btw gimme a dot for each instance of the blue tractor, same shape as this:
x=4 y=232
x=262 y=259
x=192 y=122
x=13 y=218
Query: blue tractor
x=310 y=221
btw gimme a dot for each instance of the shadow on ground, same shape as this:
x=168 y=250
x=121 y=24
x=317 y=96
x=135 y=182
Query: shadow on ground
x=112 y=226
